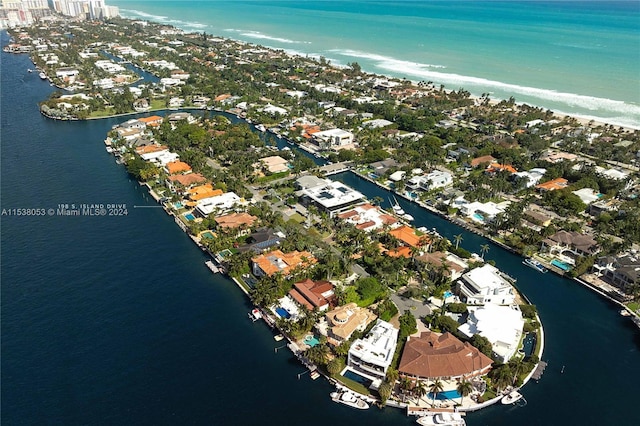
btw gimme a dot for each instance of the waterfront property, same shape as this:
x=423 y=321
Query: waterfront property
x=501 y=325
x=431 y=355
x=340 y=323
x=485 y=285
x=313 y=294
x=278 y=262
x=330 y=196
x=371 y=356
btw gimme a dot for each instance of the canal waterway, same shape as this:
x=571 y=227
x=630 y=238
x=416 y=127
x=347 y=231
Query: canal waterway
x=116 y=320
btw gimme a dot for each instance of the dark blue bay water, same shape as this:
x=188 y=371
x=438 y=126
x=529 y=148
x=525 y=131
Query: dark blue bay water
x=115 y=320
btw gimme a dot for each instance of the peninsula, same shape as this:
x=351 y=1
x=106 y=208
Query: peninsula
x=360 y=293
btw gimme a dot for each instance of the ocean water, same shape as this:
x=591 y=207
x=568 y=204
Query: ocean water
x=116 y=320
x=577 y=57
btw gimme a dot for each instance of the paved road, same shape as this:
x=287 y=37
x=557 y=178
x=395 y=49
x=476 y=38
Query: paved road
x=417 y=308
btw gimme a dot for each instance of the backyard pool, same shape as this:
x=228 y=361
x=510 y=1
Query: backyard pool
x=189 y=217
x=441 y=396
x=283 y=313
x=357 y=378
x=478 y=216
x=311 y=340
x=565 y=267
x=208 y=235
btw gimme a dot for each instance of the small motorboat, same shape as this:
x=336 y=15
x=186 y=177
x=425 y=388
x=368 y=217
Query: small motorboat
x=511 y=398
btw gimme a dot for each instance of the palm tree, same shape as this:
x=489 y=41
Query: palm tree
x=458 y=239
x=392 y=375
x=484 y=249
x=517 y=366
x=464 y=388
x=435 y=388
x=419 y=390
x=405 y=386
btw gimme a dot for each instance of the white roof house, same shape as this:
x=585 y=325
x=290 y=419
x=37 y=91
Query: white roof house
x=331 y=196
x=483 y=212
x=161 y=157
x=501 y=325
x=221 y=202
x=587 y=195
x=273 y=110
x=376 y=124
x=333 y=137
x=435 y=179
x=372 y=355
x=533 y=176
x=485 y=285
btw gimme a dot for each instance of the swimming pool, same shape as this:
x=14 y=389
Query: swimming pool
x=441 y=396
x=177 y=205
x=311 y=340
x=208 y=235
x=478 y=216
x=189 y=216
x=357 y=378
x=565 y=267
x=447 y=294
x=283 y=313
x=528 y=344
x=225 y=253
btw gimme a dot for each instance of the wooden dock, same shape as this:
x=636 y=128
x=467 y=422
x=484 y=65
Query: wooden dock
x=539 y=370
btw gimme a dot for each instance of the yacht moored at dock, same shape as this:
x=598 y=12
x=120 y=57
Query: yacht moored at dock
x=441 y=419
x=532 y=263
x=212 y=267
x=348 y=398
x=255 y=314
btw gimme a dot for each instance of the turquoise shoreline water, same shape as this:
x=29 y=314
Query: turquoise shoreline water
x=580 y=58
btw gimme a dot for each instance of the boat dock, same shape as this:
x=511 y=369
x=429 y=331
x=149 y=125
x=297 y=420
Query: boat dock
x=334 y=169
x=539 y=370
x=212 y=267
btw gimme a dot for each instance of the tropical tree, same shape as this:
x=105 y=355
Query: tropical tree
x=318 y=354
x=458 y=239
x=435 y=388
x=385 y=390
x=464 y=388
x=517 y=366
x=392 y=375
x=484 y=249
x=419 y=390
x=334 y=366
x=406 y=384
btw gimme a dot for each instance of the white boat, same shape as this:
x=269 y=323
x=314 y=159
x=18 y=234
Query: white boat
x=255 y=314
x=441 y=419
x=397 y=209
x=532 y=263
x=348 y=398
x=43 y=76
x=278 y=337
x=261 y=127
x=212 y=267
x=407 y=217
x=511 y=398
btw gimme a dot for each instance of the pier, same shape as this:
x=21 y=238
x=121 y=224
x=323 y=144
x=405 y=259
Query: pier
x=537 y=374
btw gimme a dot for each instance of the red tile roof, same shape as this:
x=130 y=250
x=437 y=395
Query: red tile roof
x=432 y=355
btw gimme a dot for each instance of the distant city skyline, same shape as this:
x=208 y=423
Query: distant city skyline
x=15 y=13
